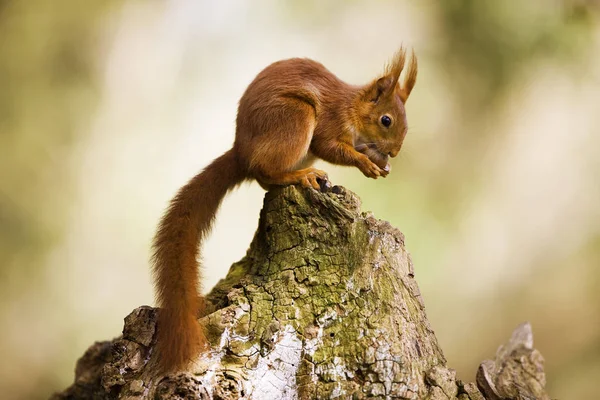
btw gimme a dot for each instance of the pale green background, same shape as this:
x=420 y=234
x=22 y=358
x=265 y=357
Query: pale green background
x=107 y=107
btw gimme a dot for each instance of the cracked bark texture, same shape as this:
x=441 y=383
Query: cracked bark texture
x=324 y=305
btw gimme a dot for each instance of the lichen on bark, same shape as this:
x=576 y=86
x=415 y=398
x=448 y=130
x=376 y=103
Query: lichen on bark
x=323 y=305
x=335 y=285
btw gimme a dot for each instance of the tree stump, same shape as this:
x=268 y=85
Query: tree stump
x=324 y=305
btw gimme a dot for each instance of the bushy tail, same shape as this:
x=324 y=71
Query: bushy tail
x=176 y=271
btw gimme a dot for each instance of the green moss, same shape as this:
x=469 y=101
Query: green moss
x=337 y=278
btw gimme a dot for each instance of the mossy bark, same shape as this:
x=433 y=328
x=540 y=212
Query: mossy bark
x=324 y=305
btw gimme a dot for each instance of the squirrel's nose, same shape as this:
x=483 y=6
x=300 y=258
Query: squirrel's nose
x=394 y=153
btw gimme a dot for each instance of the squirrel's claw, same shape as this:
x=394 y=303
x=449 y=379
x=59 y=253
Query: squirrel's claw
x=324 y=184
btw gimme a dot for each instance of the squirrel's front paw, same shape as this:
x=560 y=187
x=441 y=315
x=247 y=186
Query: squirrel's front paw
x=370 y=169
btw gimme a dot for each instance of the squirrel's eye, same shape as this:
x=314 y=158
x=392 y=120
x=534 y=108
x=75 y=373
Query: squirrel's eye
x=386 y=121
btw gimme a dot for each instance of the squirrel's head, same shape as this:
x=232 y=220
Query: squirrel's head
x=381 y=120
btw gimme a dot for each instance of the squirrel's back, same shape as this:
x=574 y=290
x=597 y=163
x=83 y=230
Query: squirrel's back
x=299 y=78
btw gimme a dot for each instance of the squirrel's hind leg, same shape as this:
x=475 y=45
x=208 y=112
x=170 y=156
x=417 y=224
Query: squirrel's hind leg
x=280 y=155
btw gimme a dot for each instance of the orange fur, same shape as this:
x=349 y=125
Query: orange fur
x=292 y=113
x=177 y=276
x=409 y=79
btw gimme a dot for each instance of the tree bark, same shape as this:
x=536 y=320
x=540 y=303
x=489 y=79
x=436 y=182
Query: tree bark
x=324 y=305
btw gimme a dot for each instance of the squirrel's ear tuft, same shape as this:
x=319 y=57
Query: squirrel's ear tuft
x=388 y=83
x=410 y=78
x=395 y=67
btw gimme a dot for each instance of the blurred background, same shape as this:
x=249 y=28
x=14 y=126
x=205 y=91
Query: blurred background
x=107 y=107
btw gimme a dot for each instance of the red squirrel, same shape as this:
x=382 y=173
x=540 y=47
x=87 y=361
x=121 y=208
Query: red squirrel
x=293 y=112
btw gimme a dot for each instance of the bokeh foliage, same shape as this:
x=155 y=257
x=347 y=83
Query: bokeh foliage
x=52 y=61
